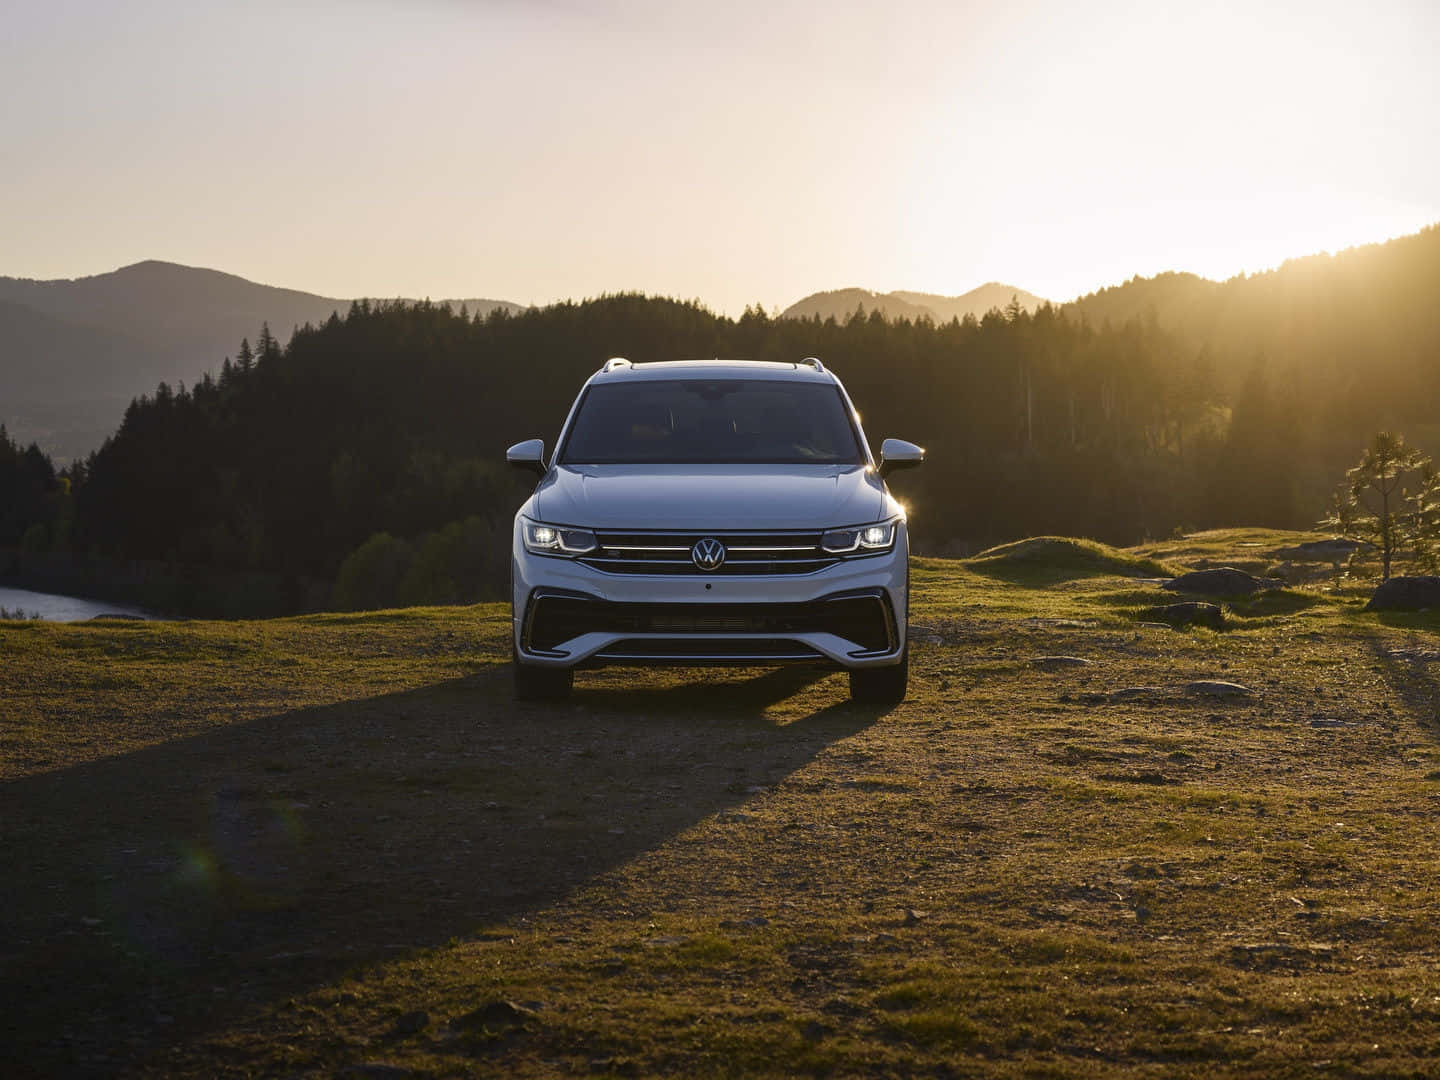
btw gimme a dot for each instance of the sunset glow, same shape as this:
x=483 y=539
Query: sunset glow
x=540 y=151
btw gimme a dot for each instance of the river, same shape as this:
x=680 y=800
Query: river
x=22 y=603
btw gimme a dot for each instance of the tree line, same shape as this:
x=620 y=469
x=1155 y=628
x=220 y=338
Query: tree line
x=366 y=451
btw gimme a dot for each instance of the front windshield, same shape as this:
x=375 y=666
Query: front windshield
x=712 y=422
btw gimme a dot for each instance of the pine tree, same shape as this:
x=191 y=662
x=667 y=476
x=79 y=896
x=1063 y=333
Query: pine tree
x=267 y=348
x=1371 y=504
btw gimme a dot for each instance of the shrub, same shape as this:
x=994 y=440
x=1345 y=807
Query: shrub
x=370 y=576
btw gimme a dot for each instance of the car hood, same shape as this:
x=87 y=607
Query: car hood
x=710 y=496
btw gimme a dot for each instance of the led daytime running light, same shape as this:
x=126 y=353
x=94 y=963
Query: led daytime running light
x=862 y=539
x=541 y=539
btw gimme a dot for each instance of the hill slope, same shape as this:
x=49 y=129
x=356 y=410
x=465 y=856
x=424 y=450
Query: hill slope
x=77 y=350
x=1367 y=309
x=841 y=303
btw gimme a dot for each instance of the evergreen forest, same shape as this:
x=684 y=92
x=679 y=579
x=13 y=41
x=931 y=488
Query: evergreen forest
x=366 y=452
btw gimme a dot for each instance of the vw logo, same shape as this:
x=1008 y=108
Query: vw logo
x=708 y=554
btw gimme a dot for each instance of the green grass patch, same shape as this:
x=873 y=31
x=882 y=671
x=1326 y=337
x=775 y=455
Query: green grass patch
x=1042 y=559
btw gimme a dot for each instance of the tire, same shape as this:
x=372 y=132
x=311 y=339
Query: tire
x=881 y=686
x=540 y=683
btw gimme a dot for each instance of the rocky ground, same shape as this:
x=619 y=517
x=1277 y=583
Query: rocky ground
x=1089 y=842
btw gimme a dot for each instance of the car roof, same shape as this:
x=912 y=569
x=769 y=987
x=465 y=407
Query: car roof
x=712 y=369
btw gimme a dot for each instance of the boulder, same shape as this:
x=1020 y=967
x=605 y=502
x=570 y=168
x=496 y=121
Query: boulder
x=1188 y=613
x=1335 y=550
x=1217 y=688
x=412 y=1023
x=495 y=1015
x=1221 y=581
x=1406 y=594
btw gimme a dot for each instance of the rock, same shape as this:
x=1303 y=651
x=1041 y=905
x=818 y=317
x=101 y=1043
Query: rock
x=495 y=1015
x=1269 y=955
x=912 y=916
x=1415 y=656
x=1131 y=693
x=1335 y=550
x=1407 y=594
x=1217 y=688
x=1188 y=613
x=1141 y=776
x=1222 y=581
x=412 y=1023
x=614 y=1066
x=1125 y=693
x=1051 y=663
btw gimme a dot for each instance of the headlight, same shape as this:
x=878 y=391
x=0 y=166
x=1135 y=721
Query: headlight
x=862 y=539
x=543 y=539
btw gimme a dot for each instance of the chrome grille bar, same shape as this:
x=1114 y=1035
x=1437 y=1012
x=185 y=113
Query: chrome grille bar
x=668 y=552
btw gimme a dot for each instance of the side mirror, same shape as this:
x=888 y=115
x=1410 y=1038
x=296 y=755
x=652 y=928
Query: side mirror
x=529 y=454
x=896 y=454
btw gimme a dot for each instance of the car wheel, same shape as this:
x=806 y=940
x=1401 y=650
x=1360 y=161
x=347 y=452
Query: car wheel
x=540 y=683
x=881 y=686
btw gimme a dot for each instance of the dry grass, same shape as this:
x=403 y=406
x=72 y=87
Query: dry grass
x=303 y=846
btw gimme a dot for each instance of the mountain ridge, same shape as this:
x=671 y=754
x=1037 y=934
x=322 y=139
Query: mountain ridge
x=77 y=350
x=840 y=304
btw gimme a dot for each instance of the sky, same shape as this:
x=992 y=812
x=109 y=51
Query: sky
x=736 y=153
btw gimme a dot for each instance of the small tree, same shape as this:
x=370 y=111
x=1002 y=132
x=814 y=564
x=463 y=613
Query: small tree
x=1373 y=503
x=1424 y=512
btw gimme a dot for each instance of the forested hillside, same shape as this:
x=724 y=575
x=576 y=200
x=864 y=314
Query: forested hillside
x=73 y=352
x=368 y=449
x=1362 y=324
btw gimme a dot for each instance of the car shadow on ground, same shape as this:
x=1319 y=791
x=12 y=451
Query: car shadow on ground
x=152 y=897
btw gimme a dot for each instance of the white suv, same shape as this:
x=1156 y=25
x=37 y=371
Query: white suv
x=711 y=512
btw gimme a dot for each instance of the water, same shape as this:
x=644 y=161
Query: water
x=62 y=608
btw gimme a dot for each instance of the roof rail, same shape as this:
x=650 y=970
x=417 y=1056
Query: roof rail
x=616 y=362
x=814 y=362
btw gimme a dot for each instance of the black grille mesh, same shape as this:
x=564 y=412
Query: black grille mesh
x=864 y=620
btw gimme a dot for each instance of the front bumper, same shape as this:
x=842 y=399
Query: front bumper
x=851 y=615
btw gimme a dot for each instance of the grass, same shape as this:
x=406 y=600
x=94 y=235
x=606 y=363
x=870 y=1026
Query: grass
x=1046 y=559
x=301 y=846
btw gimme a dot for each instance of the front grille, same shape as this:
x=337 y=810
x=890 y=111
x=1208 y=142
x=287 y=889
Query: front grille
x=745 y=553
x=860 y=618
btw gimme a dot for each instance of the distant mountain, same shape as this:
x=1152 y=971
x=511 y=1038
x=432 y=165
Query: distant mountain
x=73 y=352
x=976 y=302
x=842 y=303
